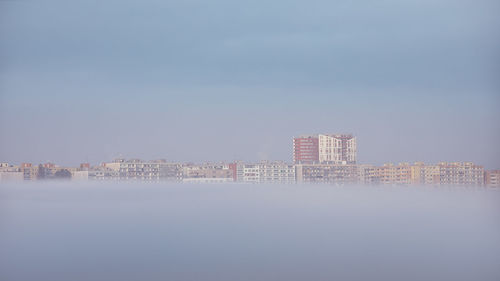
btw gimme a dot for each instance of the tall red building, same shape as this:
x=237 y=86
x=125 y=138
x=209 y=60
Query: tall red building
x=305 y=150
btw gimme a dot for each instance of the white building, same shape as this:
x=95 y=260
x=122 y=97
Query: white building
x=207 y=173
x=337 y=149
x=10 y=173
x=266 y=172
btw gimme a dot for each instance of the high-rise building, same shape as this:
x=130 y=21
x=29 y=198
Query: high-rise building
x=337 y=149
x=306 y=150
x=325 y=149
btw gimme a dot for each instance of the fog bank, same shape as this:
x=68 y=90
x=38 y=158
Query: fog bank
x=63 y=231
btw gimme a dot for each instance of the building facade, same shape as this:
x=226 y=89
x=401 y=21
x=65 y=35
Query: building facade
x=394 y=174
x=265 y=172
x=207 y=173
x=306 y=149
x=337 y=149
x=461 y=174
x=492 y=178
x=325 y=149
x=327 y=173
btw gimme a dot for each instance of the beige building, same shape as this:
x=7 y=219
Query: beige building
x=461 y=174
x=456 y=173
x=394 y=174
x=29 y=171
x=492 y=178
x=368 y=174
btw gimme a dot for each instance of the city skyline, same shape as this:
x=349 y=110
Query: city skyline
x=292 y=158
x=328 y=158
x=295 y=152
x=456 y=174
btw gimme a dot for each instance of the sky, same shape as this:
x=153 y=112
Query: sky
x=88 y=81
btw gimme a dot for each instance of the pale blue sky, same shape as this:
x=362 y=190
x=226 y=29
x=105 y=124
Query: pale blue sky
x=227 y=80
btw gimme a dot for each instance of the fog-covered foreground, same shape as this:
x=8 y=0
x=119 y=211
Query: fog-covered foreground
x=122 y=232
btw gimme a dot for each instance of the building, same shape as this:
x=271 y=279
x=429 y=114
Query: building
x=394 y=174
x=492 y=178
x=102 y=173
x=432 y=175
x=207 y=173
x=461 y=174
x=367 y=175
x=340 y=174
x=276 y=172
x=306 y=149
x=264 y=172
x=417 y=173
x=337 y=149
x=156 y=170
x=325 y=149
x=29 y=171
x=84 y=167
x=10 y=173
x=9 y=176
x=248 y=173
x=80 y=175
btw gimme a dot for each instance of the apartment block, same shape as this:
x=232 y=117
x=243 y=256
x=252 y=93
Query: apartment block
x=325 y=149
x=10 y=173
x=207 y=173
x=492 y=178
x=136 y=169
x=248 y=173
x=327 y=173
x=276 y=172
x=461 y=174
x=368 y=175
x=394 y=174
x=29 y=171
x=265 y=172
x=103 y=173
x=337 y=149
x=306 y=149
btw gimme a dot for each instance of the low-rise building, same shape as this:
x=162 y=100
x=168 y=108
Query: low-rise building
x=156 y=170
x=29 y=171
x=394 y=174
x=207 y=173
x=10 y=173
x=461 y=174
x=368 y=175
x=492 y=178
x=327 y=173
x=276 y=172
x=264 y=172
